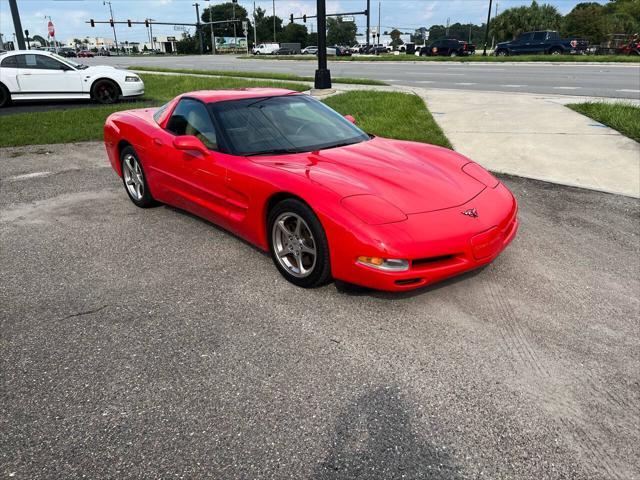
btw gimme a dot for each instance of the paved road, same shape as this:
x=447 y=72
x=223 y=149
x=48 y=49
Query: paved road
x=619 y=81
x=150 y=344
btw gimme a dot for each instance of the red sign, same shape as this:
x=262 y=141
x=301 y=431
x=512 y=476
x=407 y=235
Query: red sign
x=52 y=31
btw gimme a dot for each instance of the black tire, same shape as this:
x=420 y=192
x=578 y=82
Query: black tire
x=502 y=53
x=5 y=96
x=321 y=270
x=146 y=200
x=453 y=54
x=555 y=51
x=105 y=92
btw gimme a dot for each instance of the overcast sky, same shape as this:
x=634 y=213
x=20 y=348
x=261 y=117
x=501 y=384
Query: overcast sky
x=69 y=15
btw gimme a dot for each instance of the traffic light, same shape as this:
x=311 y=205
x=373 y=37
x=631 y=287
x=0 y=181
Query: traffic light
x=93 y=24
x=304 y=18
x=129 y=23
x=146 y=23
x=111 y=21
x=291 y=18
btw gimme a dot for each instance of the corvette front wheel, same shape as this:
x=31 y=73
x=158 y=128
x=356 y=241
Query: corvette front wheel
x=298 y=244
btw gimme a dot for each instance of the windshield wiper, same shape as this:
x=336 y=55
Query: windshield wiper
x=277 y=151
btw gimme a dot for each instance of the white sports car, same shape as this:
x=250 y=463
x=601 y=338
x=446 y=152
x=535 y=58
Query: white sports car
x=40 y=75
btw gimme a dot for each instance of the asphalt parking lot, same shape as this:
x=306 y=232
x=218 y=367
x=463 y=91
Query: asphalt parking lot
x=151 y=344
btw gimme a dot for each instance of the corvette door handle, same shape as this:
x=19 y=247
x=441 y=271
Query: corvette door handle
x=157 y=141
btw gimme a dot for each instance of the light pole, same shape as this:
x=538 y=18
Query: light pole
x=213 y=35
x=235 y=35
x=274 y=21
x=255 y=38
x=17 y=25
x=197 y=5
x=323 y=75
x=368 y=17
x=113 y=25
x=486 y=32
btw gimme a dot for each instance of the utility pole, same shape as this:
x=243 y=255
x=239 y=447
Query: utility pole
x=255 y=37
x=113 y=25
x=17 y=25
x=446 y=32
x=153 y=42
x=197 y=5
x=235 y=35
x=379 y=10
x=486 y=32
x=1 y=43
x=323 y=75
x=213 y=36
x=274 y=21
x=368 y=17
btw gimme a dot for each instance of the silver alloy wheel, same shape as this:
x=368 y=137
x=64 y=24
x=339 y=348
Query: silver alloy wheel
x=294 y=245
x=133 y=177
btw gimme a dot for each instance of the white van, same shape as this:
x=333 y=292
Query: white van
x=265 y=48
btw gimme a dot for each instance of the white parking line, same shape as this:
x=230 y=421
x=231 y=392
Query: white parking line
x=425 y=81
x=628 y=90
x=465 y=83
x=566 y=88
x=513 y=86
x=27 y=176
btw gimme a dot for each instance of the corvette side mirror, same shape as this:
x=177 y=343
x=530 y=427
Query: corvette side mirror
x=189 y=143
x=350 y=118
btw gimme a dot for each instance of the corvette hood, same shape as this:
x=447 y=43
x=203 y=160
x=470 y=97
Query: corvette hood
x=414 y=177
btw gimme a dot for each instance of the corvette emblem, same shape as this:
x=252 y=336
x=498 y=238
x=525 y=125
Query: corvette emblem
x=472 y=212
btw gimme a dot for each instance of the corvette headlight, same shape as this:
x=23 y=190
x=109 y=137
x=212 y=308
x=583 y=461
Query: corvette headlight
x=388 y=264
x=131 y=79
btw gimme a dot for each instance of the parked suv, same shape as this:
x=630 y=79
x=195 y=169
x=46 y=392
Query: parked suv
x=546 y=41
x=448 y=47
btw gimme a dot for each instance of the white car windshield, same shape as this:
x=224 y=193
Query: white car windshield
x=79 y=66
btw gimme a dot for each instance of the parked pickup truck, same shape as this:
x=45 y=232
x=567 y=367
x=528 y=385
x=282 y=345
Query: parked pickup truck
x=547 y=42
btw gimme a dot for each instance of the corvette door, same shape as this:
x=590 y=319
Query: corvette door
x=195 y=179
x=44 y=74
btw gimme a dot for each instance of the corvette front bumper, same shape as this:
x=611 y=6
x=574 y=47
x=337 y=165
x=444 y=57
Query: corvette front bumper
x=438 y=245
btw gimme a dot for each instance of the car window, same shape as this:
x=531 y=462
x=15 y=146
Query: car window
x=44 y=62
x=191 y=117
x=10 y=62
x=525 y=37
x=539 y=36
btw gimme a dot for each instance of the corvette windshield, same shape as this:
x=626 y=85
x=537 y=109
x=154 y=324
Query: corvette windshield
x=285 y=124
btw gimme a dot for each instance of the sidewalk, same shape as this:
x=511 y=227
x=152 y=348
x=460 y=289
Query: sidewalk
x=536 y=136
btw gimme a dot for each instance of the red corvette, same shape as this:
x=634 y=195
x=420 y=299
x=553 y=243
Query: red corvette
x=292 y=176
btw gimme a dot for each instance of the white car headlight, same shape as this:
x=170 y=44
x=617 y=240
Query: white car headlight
x=131 y=78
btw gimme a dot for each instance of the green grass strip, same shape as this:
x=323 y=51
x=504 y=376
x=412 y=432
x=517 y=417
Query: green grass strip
x=623 y=117
x=402 y=116
x=261 y=75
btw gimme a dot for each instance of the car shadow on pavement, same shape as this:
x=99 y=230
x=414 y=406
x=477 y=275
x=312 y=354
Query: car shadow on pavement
x=374 y=439
x=29 y=106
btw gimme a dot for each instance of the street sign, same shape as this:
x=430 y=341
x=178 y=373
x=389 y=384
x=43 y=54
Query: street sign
x=171 y=39
x=245 y=25
x=51 y=29
x=180 y=28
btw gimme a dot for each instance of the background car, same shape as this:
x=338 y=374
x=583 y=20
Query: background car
x=290 y=175
x=85 y=54
x=541 y=42
x=38 y=75
x=310 y=50
x=282 y=51
x=449 y=47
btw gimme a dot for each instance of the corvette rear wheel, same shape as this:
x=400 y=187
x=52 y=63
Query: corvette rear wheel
x=298 y=244
x=135 y=182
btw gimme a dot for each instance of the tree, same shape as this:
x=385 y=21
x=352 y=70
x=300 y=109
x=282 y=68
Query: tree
x=264 y=26
x=340 y=32
x=396 y=41
x=294 y=33
x=188 y=44
x=586 y=20
x=224 y=11
x=513 y=21
x=40 y=40
x=312 y=39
